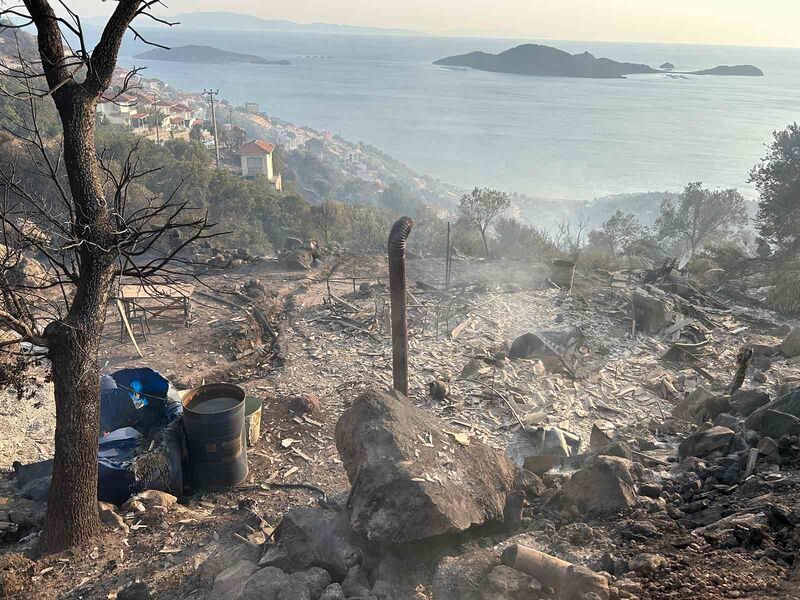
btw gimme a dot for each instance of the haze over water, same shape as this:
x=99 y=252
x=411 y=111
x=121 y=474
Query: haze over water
x=545 y=137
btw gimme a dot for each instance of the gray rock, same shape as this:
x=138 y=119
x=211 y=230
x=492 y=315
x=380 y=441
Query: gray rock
x=355 y=583
x=604 y=485
x=138 y=590
x=38 y=489
x=650 y=490
x=703 y=442
x=790 y=346
x=647 y=563
x=505 y=583
x=383 y=590
x=271 y=583
x=776 y=424
x=459 y=578
x=315 y=579
x=530 y=483
x=768 y=449
x=788 y=403
x=746 y=402
x=229 y=584
x=728 y=420
x=761 y=363
x=403 y=490
x=298 y=260
x=315 y=537
x=221 y=558
x=333 y=592
x=652 y=314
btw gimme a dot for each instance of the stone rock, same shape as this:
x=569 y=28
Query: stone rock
x=403 y=490
x=746 y=402
x=293 y=243
x=110 y=517
x=768 y=448
x=605 y=485
x=271 y=583
x=713 y=277
x=316 y=580
x=305 y=404
x=220 y=558
x=355 y=583
x=700 y=405
x=472 y=367
x=651 y=313
x=298 y=260
x=459 y=578
x=647 y=563
x=788 y=403
x=729 y=421
x=790 y=346
x=151 y=499
x=703 y=442
x=760 y=362
x=229 y=584
x=505 y=583
x=650 y=490
x=530 y=483
x=619 y=449
x=581 y=583
x=383 y=590
x=38 y=489
x=776 y=424
x=333 y=592
x=315 y=537
x=137 y=590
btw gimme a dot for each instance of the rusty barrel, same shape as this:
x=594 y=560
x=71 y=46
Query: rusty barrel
x=562 y=273
x=213 y=417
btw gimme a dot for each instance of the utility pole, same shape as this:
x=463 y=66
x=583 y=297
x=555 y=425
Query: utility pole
x=211 y=94
x=155 y=114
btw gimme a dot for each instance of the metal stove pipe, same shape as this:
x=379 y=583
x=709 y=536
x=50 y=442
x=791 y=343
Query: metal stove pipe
x=397 y=287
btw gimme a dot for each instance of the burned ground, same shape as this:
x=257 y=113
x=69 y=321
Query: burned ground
x=332 y=344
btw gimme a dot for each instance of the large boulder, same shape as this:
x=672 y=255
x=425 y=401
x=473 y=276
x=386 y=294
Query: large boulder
x=298 y=260
x=776 y=424
x=604 y=485
x=746 y=402
x=790 y=346
x=788 y=403
x=315 y=537
x=706 y=441
x=652 y=314
x=411 y=478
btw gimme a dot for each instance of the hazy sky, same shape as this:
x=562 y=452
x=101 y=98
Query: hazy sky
x=735 y=22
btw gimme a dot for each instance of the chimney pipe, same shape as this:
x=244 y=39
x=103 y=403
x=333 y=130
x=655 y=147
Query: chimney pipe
x=397 y=287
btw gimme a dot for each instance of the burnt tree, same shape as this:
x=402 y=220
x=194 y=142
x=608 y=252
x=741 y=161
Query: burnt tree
x=91 y=229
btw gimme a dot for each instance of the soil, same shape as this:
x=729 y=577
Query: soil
x=312 y=356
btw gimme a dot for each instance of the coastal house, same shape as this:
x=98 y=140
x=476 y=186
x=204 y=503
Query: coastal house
x=256 y=159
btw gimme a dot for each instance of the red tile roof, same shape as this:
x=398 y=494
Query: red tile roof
x=140 y=115
x=257 y=147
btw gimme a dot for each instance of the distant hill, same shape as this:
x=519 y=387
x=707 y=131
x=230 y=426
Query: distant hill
x=13 y=41
x=205 y=55
x=535 y=59
x=232 y=21
x=739 y=70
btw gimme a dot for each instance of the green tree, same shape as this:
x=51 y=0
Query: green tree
x=329 y=217
x=621 y=230
x=700 y=214
x=481 y=207
x=777 y=179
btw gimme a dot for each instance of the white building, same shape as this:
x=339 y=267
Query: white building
x=256 y=157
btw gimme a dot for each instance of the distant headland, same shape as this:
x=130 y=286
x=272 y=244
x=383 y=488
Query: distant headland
x=535 y=59
x=205 y=55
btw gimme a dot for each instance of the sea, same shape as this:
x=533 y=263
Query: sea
x=547 y=137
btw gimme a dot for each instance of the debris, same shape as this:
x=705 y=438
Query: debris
x=378 y=441
x=304 y=404
x=438 y=389
x=298 y=260
x=746 y=402
x=652 y=314
x=790 y=346
x=571 y=582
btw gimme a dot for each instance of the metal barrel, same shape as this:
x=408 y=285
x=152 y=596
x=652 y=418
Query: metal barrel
x=213 y=417
x=562 y=273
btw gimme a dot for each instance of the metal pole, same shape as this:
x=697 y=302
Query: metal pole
x=447 y=260
x=397 y=289
x=211 y=94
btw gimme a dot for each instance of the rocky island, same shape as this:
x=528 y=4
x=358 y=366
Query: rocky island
x=536 y=59
x=205 y=55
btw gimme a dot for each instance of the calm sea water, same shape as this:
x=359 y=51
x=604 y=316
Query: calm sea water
x=547 y=137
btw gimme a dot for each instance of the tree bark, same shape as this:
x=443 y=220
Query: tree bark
x=72 y=518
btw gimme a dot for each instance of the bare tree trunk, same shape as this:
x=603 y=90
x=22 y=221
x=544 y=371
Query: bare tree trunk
x=72 y=518
x=485 y=245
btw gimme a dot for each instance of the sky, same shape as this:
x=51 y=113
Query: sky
x=726 y=22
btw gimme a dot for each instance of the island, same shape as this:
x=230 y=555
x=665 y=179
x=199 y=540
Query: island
x=739 y=70
x=205 y=55
x=536 y=59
